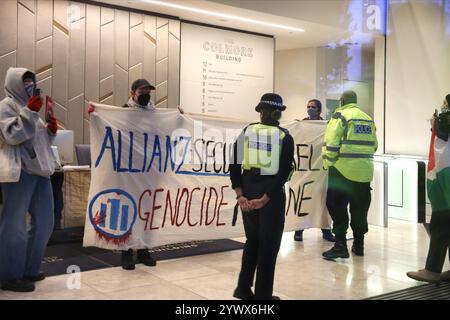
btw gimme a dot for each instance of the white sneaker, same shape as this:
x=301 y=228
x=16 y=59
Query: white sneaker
x=445 y=276
x=424 y=275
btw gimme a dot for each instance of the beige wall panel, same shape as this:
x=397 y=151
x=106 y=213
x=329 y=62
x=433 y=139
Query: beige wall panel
x=60 y=66
x=8 y=27
x=75 y=117
x=77 y=15
x=161 y=95
x=60 y=12
x=92 y=74
x=44 y=50
x=162 y=43
x=75 y=45
x=174 y=28
x=44 y=74
x=6 y=62
x=135 y=19
x=76 y=58
x=161 y=22
x=86 y=132
x=109 y=101
x=45 y=84
x=106 y=87
x=44 y=19
x=150 y=26
x=136 y=45
x=162 y=105
x=61 y=114
x=174 y=72
x=161 y=71
x=29 y=4
x=134 y=73
x=85 y=111
x=26 y=40
x=122 y=29
x=149 y=71
x=107 y=15
x=77 y=11
x=121 y=89
x=106 y=50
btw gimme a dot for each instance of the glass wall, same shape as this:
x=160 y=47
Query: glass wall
x=394 y=53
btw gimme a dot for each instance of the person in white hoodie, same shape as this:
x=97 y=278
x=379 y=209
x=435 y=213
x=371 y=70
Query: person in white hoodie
x=22 y=249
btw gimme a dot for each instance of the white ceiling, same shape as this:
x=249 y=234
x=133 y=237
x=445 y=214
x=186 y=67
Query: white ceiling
x=322 y=20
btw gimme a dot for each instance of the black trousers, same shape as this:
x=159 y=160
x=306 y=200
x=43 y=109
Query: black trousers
x=341 y=193
x=439 y=241
x=57 y=180
x=264 y=230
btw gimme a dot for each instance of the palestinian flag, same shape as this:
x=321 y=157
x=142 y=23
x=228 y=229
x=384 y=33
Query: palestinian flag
x=438 y=179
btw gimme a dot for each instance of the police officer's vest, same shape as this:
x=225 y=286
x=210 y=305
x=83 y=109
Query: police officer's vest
x=353 y=155
x=262 y=148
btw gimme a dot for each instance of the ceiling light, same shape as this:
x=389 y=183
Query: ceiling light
x=222 y=15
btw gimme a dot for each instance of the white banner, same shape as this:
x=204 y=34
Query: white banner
x=159 y=177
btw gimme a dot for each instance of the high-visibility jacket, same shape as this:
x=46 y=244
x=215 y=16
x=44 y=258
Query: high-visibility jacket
x=262 y=148
x=350 y=142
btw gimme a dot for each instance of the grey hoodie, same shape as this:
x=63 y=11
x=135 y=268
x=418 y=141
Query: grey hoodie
x=21 y=127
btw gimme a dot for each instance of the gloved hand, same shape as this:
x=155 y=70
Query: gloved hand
x=90 y=108
x=52 y=124
x=35 y=103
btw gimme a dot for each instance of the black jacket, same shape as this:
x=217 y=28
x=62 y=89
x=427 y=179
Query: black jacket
x=442 y=126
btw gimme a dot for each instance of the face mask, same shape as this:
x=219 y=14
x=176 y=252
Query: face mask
x=29 y=89
x=313 y=113
x=143 y=99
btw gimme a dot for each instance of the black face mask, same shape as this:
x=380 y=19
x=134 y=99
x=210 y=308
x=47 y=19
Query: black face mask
x=144 y=99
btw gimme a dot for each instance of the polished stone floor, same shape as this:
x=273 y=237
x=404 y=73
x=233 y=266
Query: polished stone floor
x=301 y=272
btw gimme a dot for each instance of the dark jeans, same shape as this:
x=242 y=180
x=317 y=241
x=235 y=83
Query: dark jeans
x=439 y=241
x=57 y=180
x=340 y=194
x=264 y=230
x=22 y=246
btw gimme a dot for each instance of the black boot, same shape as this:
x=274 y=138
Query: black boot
x=358 y=246
x=18 y=285
x=298 y=235
x=328 y=235
x=338 y=251
x=243 y=294
x=143 y=256
x=127 y=260
x=39 y=277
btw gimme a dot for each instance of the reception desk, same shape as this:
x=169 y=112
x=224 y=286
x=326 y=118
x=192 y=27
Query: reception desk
x=75 y=194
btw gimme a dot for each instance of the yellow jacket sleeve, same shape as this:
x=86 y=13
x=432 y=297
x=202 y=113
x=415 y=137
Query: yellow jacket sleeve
x=333 y=137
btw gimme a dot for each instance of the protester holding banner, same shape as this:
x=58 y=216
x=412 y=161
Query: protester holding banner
x=438 y=186
x=314 y=109
x=26 y=163
x=139 y=98
x=265 y=152
x=350 y=142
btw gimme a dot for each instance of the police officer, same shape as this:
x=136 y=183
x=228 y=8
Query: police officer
x=261 y=164
x=350 y=142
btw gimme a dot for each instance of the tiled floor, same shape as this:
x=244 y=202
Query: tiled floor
x=301 y=272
